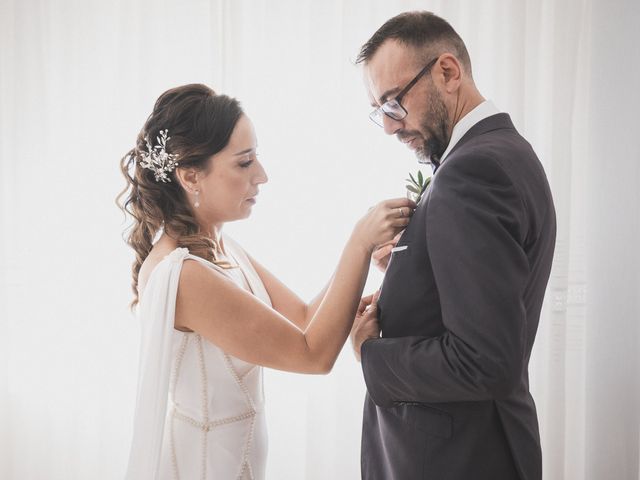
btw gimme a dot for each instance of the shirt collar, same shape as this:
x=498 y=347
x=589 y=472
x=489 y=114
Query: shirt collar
x=482 y=111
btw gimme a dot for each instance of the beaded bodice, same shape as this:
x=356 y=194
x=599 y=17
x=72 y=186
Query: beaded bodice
x=210 y=390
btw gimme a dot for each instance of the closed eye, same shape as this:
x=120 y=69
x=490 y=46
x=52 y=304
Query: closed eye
x=248 y=160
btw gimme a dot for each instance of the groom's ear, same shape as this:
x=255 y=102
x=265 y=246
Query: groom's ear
x=450 y=71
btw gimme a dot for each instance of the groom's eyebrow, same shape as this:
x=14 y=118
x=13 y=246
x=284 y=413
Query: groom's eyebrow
x=385 y=96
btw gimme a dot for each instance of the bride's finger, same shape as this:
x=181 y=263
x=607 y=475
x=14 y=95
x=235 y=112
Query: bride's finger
x=400 y=202
x=364 y=303
x=390 y=242
x=370 y=314
x=400 y=212
x=400 y=222
x=376 y=296
x=383 y=251
x=404 y=211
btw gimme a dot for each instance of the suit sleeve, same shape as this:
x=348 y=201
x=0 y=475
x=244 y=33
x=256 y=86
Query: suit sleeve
x=475 y=235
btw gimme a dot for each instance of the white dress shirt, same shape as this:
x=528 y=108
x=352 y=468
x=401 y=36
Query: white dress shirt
x=482 y=111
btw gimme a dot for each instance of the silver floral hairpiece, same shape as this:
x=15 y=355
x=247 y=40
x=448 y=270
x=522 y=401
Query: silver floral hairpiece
x=157 y=159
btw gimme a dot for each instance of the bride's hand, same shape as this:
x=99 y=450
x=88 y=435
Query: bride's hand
x=382 y=254
x=365 y=325
x=383 y=222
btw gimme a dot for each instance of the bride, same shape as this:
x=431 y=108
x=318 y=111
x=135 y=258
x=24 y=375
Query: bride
x=211 y=315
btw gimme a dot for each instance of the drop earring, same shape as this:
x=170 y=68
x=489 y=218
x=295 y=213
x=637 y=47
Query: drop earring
x=196 y=204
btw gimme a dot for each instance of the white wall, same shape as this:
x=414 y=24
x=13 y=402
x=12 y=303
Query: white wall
x=77 y=80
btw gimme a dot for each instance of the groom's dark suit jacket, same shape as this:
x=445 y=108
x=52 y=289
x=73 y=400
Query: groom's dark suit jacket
x=448 y=388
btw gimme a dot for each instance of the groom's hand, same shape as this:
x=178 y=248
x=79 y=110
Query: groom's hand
x=365 y=325
x=382 y=254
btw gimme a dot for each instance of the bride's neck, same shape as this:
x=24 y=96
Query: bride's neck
x=214 y=232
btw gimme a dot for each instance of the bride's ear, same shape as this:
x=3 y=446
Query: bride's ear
x=188 y=178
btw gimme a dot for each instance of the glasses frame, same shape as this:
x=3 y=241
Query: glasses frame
x=393 y=108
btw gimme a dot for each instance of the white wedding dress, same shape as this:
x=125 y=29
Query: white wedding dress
x=199 y=411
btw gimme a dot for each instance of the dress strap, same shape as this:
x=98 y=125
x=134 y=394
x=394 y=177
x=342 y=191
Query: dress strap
x=189 y=256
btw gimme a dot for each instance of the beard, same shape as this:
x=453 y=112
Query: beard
x=435 y=128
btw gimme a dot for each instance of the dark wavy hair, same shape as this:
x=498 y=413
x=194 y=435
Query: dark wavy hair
x=199 y=123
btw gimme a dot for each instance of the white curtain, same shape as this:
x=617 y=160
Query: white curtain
x=77 y=80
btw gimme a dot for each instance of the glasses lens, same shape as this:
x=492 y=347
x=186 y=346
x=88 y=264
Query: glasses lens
x=394 y=110
x=391 y=109
x=376 y=117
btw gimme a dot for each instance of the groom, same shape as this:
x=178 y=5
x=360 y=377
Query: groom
x=445 y=351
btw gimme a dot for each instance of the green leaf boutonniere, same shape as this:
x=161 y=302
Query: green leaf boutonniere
x=415 y=188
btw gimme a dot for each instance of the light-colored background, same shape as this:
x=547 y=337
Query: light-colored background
x=79 y=77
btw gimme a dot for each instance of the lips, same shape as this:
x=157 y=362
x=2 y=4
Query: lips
x=411 y=142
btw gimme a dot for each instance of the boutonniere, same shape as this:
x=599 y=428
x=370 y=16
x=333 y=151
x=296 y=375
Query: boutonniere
x=415 y=188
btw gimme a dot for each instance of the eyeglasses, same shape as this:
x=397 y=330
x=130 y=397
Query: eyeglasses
x=392 y=108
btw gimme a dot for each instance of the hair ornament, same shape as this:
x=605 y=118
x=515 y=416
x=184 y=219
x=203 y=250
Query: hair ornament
x=157 y=159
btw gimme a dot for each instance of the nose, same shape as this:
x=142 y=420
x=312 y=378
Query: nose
x=260 y=176
x=390 y=125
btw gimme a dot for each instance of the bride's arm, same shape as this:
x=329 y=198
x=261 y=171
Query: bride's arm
x=243 y=326
x=285 y=301
x=240 y=324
